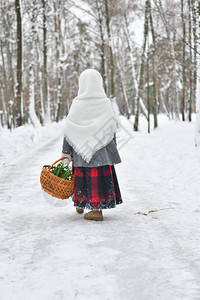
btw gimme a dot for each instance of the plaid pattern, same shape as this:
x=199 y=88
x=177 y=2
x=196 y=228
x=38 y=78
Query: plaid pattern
x=96 y=187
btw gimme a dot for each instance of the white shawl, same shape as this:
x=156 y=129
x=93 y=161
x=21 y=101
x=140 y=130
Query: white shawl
x=90 y=124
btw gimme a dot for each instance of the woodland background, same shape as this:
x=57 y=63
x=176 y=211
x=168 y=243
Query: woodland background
x=146 y=51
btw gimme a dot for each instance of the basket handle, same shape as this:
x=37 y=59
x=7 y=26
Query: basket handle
x=56 y=162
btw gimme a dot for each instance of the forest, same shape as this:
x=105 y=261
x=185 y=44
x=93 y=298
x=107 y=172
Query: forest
x=147 y=52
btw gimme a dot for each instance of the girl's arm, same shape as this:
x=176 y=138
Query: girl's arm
x=67 y=149
x=115 y=139
x=67 y=152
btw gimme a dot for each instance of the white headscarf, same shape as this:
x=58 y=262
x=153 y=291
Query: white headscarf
x=90 y=124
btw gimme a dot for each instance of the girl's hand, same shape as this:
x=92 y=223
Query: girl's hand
x=67 y=159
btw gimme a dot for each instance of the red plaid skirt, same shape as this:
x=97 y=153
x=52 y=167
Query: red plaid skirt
x=96 y=188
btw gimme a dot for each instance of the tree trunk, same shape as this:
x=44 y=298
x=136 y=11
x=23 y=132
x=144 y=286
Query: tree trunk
x=183 y=65
x=136 y=123
x=127 y=34
x=122 y=79
x=197 y=133
x=57 y=28
x=191 y=62
x=173 y=56
x=148 y=100
x=34 y=109
x=112 y=84
x=45 y=75
x=4 y=89
x=194 y=21
x=155 y=108
x=18 y=114
x=33 y=117
x=100 y=21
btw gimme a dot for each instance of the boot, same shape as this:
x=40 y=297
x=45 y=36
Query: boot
x=79 y=210
x=95 y=215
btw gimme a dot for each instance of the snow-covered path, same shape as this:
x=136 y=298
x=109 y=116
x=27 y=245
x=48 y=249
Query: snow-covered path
x=53 y=253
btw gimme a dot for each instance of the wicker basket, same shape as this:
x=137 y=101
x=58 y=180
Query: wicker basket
x=55 y=186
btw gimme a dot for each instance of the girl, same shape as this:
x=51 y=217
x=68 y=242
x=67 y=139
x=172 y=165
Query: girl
x=90 y=141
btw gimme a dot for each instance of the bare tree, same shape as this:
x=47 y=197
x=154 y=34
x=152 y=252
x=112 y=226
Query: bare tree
x=100 y=23
x=197 y=133
x=45 y=74
x=155 y=109
x=107 y=16
x=183 y=64
x=146 y=20
x=18 y=98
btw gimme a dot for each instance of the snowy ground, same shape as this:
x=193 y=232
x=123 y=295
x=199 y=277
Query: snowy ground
x=25 y=140
x=49 y=253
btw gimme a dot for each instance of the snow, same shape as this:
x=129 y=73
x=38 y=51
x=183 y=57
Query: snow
x=52 y=253
x=25 y=139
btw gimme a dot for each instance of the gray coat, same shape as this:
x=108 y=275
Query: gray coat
x=107 y=155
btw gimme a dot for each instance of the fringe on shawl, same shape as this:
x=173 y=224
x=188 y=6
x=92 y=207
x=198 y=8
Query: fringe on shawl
x=82 y=154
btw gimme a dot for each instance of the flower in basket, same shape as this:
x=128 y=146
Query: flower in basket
x=62 y=171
